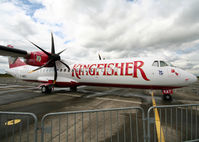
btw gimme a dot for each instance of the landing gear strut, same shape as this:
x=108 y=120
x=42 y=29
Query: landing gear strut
x=167 y=95
x=46 y=89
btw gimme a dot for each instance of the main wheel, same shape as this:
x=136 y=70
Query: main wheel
x=73 y=89
x=46 y=89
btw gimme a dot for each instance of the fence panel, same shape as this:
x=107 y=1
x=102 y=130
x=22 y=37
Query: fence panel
x=114 y=125
x=177 y=123
x=18 y=126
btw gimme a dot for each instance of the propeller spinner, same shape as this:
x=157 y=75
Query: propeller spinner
x=53 y=57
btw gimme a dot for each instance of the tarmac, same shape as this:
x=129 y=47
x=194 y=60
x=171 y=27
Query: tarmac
x=20 y=96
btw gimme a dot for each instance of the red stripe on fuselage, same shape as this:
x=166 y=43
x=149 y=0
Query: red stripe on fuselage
x=130 y=86
x=70 y=84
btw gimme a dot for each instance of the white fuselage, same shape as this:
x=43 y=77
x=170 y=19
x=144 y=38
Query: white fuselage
x=135 y=73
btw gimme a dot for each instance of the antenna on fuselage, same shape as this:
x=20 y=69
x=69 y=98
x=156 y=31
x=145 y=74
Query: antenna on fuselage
x=100 y=58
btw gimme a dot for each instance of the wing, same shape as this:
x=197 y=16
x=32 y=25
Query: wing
x=7 y=51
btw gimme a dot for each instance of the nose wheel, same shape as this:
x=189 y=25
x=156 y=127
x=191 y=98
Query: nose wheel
x=167 y=95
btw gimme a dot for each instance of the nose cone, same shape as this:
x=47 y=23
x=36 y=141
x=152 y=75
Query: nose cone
x=194 y=79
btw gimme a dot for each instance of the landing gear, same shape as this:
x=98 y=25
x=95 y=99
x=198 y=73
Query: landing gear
x=46 y=89
x=73 y=89
x=167 y=95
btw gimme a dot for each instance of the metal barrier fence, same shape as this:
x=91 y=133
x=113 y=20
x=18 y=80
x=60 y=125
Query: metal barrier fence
x=164 y=123
x=114 y=125
x=17 y=126
x=175 y=123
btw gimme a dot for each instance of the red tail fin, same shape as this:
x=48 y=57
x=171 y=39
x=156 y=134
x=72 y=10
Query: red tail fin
x=15 y=61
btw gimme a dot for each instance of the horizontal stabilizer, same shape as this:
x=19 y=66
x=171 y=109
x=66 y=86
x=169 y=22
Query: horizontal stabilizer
x=7 y=51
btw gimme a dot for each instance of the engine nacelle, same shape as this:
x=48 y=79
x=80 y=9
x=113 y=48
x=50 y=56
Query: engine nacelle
x=38 y=58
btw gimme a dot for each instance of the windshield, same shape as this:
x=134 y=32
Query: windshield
x=161 y=64
x=155 y=63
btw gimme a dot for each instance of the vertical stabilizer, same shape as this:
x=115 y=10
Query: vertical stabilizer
x=15 y=61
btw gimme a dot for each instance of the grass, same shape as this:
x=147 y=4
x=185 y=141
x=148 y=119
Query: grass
x=5 y=75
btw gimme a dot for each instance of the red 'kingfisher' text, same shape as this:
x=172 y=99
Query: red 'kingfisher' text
x=110 y=69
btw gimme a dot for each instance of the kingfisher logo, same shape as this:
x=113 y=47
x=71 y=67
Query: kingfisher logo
x=110 y=69
x=173 y=71
x=38 y=58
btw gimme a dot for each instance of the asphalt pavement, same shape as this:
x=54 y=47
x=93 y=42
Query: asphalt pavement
x=20 y=96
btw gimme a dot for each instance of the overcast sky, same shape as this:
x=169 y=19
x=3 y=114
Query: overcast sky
x=115 y=28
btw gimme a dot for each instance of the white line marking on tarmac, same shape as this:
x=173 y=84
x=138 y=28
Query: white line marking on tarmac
x=10 y=86
x=2 y=84
x=117 y=100
x=11 y=91
x=107 y=99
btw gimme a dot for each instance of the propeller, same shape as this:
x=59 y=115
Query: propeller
x=53 y=57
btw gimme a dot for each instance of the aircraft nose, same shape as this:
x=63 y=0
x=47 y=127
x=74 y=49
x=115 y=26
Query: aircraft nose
x=192 y=78
x=195 y=79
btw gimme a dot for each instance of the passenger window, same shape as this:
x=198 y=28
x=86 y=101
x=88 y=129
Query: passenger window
x=60 y=70
x=163 y=64
x=155 y=64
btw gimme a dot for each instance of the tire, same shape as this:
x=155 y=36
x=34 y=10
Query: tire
x=43 y=89
x=46 y=89
x=73 y=89
x=167 y=97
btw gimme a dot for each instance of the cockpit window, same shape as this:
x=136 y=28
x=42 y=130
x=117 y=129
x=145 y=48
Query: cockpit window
x=155 y=64
x=163 y=64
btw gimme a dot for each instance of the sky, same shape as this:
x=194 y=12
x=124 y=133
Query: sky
x=113 y=28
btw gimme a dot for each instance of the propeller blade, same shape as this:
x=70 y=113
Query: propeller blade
x=40 y=48
x=61 y=51
x=37 y=69
x=53 y=45
x=65 y=65
x=55 y=73
x=40 y=67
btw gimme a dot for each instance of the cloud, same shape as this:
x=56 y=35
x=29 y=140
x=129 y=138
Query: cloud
x=115 y=28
